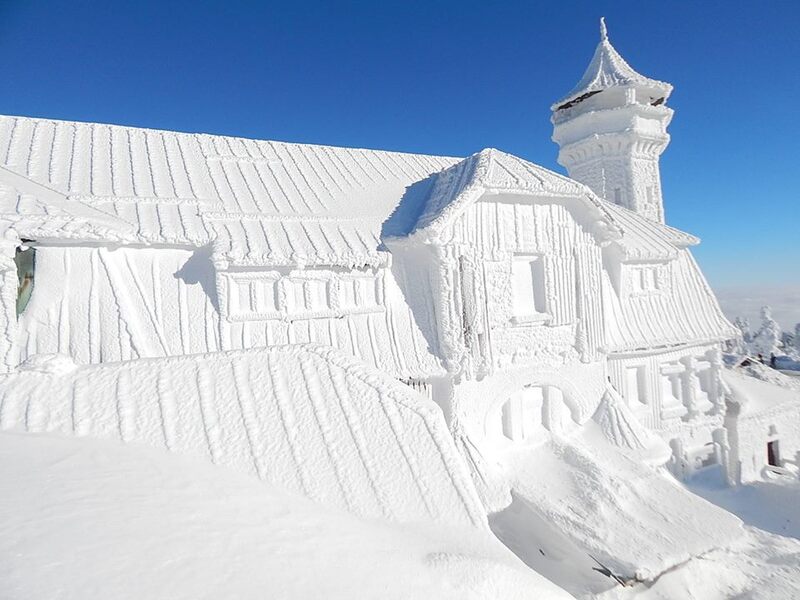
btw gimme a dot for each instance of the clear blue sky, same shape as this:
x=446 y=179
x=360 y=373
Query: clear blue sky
x=444 y=78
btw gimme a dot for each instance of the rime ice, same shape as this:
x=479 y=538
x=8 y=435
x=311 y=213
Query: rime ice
x=477 y=342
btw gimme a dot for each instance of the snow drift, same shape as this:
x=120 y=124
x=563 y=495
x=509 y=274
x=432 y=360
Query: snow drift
x=85 y=519
x=304 y=418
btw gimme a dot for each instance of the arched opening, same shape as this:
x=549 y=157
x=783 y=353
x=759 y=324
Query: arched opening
x=530 y=414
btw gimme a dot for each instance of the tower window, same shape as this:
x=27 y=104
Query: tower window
x=25 y=261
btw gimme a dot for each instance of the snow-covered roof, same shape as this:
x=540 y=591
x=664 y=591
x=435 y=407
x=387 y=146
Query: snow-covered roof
x=643 y=239
x=492 y=171
x=306 y=418
x=321 y=204
x=762 y=392
x=608 y=69
x=684 y=311
x=265 y=203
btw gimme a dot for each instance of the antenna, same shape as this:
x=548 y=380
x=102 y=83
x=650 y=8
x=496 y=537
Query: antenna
x=603 y=30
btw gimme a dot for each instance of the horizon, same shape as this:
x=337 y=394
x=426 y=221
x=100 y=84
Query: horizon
x=448 y=79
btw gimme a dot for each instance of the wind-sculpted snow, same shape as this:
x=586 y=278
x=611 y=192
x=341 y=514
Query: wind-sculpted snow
x=588 y=496
x=305 y=418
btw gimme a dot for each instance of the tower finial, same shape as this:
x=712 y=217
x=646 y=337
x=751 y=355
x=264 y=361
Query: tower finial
x=603 y=30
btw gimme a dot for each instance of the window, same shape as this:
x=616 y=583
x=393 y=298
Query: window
x=636 y=385
x=773 y=454
x=250 y=297
x=357 y=292
x=671 y=393
x=316 y=293
x=644 y=279
x=25 y=261
x=528 y=289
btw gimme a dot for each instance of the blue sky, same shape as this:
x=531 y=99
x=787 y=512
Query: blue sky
x=445 y=78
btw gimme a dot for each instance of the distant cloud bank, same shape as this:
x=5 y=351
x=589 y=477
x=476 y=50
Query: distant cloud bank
x=746 y=301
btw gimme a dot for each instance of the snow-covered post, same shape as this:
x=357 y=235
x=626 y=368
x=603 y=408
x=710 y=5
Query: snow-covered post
x=723 y=450
x=678 y=463
x=715 y=380
x=687 y=384
x=8 y=300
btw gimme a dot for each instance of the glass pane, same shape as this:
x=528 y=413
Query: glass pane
x=25 y=261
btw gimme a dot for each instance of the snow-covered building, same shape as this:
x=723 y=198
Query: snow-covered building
x=528 y=305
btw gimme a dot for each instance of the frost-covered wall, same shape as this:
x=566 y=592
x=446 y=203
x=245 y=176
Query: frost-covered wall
x=489 y=324
x=308 y=419
x=516 y=291
x=100 y=305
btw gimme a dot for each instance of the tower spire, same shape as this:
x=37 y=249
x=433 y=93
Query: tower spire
x=612 y=128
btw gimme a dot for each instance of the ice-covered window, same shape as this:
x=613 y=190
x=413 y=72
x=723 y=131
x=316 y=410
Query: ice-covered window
x=25 y=261
x=357 y=292
x=644 y=279
x=528 y=285
x=252 y=297
x=316 y=294
x=306 y=295
x=636 y=385
x=671 y=390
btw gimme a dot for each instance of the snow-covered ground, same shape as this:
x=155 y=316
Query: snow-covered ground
x=763 y=564
x=83 y=518
x=88 y=519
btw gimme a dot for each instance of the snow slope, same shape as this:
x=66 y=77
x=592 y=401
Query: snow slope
x=580 y=503
x=763 y=564
x=304 y=418
x=89 y=519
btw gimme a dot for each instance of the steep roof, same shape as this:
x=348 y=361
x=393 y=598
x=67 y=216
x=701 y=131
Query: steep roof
x=327 y=204
x=643 y=239
x=686 y=311
x=493 y=171
x=608 y=69
x=261 y=202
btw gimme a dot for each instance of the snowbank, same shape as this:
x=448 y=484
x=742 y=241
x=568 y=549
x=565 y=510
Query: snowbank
x=84 y=519
x=304 y=418
x=585 y=504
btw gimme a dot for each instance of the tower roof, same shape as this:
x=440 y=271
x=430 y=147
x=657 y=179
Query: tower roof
x=609 y=69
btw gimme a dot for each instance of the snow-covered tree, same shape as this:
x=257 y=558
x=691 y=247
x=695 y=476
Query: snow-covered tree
x=739 y=344
x=796 y=340
x=767 y=339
